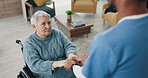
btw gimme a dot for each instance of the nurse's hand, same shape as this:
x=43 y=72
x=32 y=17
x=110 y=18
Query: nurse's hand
x=80 y=60
x=68 y=65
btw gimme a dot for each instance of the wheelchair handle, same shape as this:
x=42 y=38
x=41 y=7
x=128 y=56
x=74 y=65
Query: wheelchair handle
x=20 y=43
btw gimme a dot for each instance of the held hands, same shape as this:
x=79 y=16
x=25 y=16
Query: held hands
x=63 y=62
x=68 y=63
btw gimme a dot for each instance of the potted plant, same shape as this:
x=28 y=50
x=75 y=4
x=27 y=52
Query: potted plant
x=69 y=13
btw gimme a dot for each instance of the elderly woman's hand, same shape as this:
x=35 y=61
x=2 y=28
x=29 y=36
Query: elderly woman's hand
x=58 y=64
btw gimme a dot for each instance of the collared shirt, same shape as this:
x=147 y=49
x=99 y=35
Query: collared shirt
x=133 y=17
x=76 y=68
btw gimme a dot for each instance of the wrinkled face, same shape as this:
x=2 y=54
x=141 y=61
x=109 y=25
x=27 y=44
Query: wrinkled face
x=43 y=27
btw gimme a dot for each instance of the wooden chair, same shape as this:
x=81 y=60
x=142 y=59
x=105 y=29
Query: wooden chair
x=30 y=7
x=84 y=6
x=110 y=17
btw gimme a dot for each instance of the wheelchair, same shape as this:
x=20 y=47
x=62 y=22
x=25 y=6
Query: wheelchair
x=25 y=72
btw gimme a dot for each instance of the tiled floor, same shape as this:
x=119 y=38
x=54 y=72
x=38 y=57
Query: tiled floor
x=12 y=28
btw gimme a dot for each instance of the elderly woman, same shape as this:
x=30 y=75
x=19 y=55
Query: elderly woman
x=46 y=49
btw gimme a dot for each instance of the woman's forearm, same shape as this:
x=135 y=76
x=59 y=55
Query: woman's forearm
x=71 y=55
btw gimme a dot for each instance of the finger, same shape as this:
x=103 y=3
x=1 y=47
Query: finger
x=74 y=57
x=76 y=61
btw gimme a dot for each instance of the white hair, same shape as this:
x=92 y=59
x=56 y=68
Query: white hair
x=36 y=15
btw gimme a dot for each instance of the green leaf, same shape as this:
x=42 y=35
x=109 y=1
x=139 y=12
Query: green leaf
x=69 y=12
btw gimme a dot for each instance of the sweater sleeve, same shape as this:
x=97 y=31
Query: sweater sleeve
x=33 y=60
x=68 y=46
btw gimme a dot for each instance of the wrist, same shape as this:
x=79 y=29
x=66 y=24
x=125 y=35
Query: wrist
x=54 y=65
x=58 y=63
x=71 y=55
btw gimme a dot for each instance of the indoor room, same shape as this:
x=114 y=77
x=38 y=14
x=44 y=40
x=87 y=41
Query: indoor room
x=80 y=21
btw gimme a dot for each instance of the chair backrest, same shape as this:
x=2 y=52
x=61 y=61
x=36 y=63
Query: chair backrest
x=80 y=6
x=29 y=7
x=110 y=17
x=105 y=6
